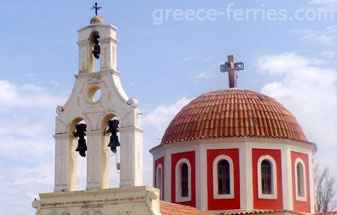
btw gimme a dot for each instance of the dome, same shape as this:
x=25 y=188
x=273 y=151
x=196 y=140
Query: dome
x=96 y=20
x=233 y=113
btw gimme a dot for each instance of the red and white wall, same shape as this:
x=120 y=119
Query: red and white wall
x=245 y=156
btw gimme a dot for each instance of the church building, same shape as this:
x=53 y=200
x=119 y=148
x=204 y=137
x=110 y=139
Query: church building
x=235 y=150
x=231 y=151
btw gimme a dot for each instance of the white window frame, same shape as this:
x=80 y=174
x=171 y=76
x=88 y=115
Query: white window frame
x=273 y=178
x=216 y=194
x=179 y=198
x=160 y=168
x=301 y=198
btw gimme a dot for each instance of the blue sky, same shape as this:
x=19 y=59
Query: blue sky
x=163 y=66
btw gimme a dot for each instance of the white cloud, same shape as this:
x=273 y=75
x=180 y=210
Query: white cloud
x=205 y=75
x=310 y=93
x=26 y=126
x=26 y=96
x=329 y=54
x=162 y=115
x=326 y=36
x=190 y=58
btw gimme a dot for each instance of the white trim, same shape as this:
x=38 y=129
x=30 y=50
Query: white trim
x=167 y=178
x=287 y=178
x=216 y=161
x=246 y=177
x=311 y=183
x=179 y=198
x=201 y=178
x=160 y=167
x=300 y=198
x=274 y=178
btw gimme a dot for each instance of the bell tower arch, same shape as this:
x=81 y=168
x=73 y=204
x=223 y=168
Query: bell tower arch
x=99 y=41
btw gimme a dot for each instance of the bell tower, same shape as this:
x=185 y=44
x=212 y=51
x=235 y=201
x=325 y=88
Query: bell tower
x=96 y=99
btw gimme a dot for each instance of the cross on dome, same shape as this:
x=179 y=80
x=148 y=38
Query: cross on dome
x=231 y=66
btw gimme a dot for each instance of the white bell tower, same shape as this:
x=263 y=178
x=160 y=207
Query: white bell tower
x=83 y=105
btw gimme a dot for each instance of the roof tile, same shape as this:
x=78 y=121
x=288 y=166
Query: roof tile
x=230 y=113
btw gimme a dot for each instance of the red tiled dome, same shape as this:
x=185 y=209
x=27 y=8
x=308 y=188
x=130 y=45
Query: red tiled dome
x=233 y=113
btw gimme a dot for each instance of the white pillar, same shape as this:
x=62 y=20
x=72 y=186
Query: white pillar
x=311 y=182
x=131 y=173
x=65 y=163
x=108 y=54
x=97 y=161
x=246 y=174
x=201 y=178
x=85 y=56
x=287 y=181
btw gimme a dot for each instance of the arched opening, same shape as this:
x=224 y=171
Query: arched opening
x=300 y=179
x=95 y=50
x=94 y=94
x=266 y=177
x=184 y=180
x=111 y=143
x=79 y=166
x=223 y=177
x=159 y=182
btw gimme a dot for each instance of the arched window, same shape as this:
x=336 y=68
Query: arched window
x=223 y=178
x=183 y=180
x=159 y=180
x=267 y=178
x=300 y=180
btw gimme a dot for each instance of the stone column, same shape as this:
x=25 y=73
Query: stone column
x=97 y=161
x=108 y=54
x=84 y=57
x=65 y=163
x=131 y=173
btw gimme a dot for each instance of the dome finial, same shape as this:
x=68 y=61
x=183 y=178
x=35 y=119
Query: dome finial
x=96 y=19
x=231 y=66
x=96 y=8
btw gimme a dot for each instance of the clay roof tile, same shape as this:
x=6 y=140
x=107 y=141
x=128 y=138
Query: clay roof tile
x=230 y=113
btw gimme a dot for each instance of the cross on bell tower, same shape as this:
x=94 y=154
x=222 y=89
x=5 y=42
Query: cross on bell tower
x=231 y=66
x=96 y=8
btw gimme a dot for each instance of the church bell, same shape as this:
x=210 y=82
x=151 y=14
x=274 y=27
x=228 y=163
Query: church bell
x=113 y=129
x=80 y=133
x=97 y=49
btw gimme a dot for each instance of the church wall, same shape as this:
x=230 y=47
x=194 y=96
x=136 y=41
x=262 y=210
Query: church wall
x=300 y=205
x=223 y=204
x=249 y=150
x=190 y=156
x=259 y=203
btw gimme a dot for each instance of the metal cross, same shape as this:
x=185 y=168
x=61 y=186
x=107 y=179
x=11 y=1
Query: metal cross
x=232 y=67
x=96 y=8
